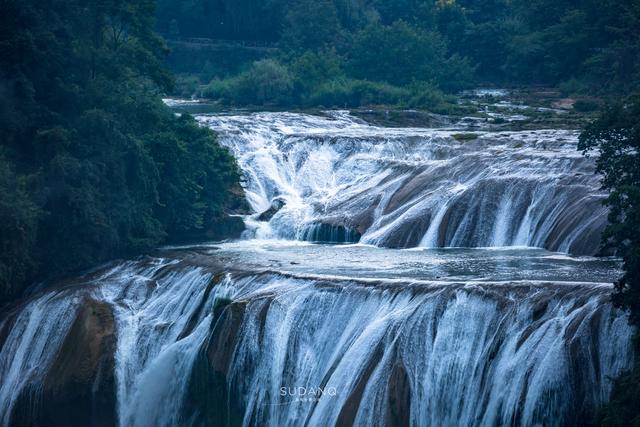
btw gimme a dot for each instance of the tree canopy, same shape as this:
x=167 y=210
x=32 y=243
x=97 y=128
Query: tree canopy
x=589 y=45
x=615 y=137
x=92 y=164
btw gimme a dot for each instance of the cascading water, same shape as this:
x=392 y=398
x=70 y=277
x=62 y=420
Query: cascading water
x=274 y=331
x=416 y=187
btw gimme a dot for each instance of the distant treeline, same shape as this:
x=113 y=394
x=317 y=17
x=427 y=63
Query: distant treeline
x=92 y=164
x=329 y=48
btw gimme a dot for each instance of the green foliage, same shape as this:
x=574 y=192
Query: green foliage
x=399 y=54
x=186 y=86
x=355 y=93
x=392 y=65
x=192 y=172
x=317 y=78
x=586 y=106
x=223 y=19
x=573 y=87
x=425 y=95
x=314 y=68
x=266 y=82
x=623 y=407
x=462 y=137
x=18 y=223
x=93 y=165
x=616 y=138
x=311 y=24
x=614 y=60
x=448 y=43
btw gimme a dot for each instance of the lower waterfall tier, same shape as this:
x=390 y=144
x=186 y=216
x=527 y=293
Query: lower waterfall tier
x=189 y=338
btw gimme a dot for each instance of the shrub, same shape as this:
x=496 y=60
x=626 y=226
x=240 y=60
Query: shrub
x=266 y=82
x=219 y=89
x=425 y=95
x=572 y=87
x=186 y=86
x=586 y=106
x=355 y=93
x=462 y=137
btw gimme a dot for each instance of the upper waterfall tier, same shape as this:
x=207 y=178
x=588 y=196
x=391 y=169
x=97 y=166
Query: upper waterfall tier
x=335 y=179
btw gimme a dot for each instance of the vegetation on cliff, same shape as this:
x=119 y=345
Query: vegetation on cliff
x=92 y=164
x=616 y=138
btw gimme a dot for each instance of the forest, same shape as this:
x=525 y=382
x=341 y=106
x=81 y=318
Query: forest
x=92 y=165
x=400 y=52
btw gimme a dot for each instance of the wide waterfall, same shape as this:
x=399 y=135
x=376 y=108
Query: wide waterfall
x=405 y=188
x=387 y=277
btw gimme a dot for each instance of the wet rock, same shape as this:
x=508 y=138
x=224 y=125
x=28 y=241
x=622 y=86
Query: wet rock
x=399 y=404
x=79 y=388
x=193 y=319
x=408 y=234
x=411 y=188
x=210 y=401
x=276 y=205
x=230 y=227
x=349 y=411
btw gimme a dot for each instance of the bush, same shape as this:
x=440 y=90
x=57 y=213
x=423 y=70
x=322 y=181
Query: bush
x=220 y=89
x=425 y=95
x=356 y=93
x=586 y=106
x=186 y=86
x=266 y=82
x=572 y=87
x=462 y=137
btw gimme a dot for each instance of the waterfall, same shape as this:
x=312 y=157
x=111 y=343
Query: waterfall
x=375 y=352
x=388 y=277
x=403 y=187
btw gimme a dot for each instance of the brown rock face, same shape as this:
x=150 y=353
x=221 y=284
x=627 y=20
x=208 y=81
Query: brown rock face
x=276 y=205
x=79 y=388
x=210 y=401
x=398 y=408
x=349 y=411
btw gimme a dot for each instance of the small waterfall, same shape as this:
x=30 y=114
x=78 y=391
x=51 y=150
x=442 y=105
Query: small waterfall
x=327 y=233
x=403 y=187
x=33 y=338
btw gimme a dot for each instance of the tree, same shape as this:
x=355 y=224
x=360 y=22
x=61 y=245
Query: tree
x=616 y=138
x=83 y=175
x=313 y=68
x=18 y=222
x=311 y=24
x=400 y=54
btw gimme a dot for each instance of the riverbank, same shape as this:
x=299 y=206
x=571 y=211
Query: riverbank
x=483 y=109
